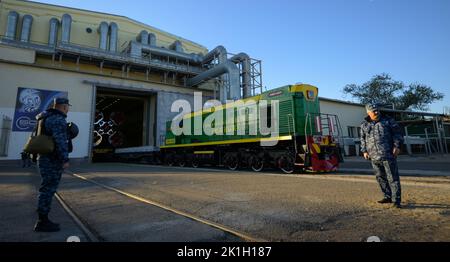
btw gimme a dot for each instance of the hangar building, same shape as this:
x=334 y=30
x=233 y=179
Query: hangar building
x=120 y=75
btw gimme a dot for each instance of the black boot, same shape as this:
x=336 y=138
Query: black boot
x=385 y=201
x=45 y=225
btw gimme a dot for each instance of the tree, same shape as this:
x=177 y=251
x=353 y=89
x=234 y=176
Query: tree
x=383 y=89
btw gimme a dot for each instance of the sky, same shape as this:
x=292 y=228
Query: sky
x=326 y=43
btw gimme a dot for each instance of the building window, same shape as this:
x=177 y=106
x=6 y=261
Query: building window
x=353 y=131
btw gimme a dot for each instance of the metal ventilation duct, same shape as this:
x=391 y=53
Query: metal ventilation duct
x=25 y=33
x=66 y=23
x=226 y=67
x=177 y=46
x=53 y=31
x=152 y=39
x=146 y=38
x=137 y=48
x=143 y=37
x=11 y=25
x=103 y=31
x=244 y=59
x=219 y=52
x=113 y=36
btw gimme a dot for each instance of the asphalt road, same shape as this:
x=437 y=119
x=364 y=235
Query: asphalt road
x=267 y=206
x=18 y=202
x=410 y=165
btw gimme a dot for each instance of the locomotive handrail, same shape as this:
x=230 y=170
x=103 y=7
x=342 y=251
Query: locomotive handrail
x=289 y=128
x=307 y=117
x=295 y=135
x=289 y=125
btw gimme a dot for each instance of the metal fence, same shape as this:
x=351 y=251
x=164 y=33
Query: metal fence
x=433 y=142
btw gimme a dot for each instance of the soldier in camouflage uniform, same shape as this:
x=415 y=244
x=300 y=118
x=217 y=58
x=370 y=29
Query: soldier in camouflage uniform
x=381 y=139
x=52 y=165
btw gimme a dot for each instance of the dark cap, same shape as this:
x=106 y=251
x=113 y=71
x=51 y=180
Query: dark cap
x=372 y=107
x=61 y=101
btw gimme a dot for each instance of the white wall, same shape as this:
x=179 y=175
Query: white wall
x=349 y=115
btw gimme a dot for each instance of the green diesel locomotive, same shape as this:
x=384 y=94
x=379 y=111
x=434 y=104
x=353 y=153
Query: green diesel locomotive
x=281 y=128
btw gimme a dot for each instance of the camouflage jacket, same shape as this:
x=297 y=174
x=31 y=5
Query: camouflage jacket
x=378 y=138
x=55 y=125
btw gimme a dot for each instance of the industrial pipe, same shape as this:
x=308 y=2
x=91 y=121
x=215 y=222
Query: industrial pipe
x=142 y=37
x=244 y=59
x=66 y=23
x=103 y=31
x=226 y=67
x=53 y=31
x=11 y=26
x=113 y=36
x=220 y=52
x=137 y=48
x=152 y=39
x=26 y=28
x=177 y=46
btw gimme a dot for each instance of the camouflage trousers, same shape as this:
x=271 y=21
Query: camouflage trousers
x=51 y=172
x=386 y=172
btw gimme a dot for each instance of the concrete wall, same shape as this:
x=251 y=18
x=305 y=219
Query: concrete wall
x=80 y=94
x=17 y=54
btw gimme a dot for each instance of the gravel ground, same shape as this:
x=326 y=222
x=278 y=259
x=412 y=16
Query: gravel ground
x=268 y=206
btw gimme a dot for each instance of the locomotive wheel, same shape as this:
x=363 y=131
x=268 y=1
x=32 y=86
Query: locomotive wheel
x=182 y=163
x=232 y=162
x=256 y=163
x=286 y=164
x=170 y=160
x=195 y=163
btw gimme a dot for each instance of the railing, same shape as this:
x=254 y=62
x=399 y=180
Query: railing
x=324 y=124
x=289 y=118
x=433 y=142
x=128 y=63
x=127 y=60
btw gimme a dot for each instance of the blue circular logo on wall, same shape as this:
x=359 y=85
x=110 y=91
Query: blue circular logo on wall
x=24 y=123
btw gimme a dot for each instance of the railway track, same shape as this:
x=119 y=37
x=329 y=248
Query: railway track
x=93 y=236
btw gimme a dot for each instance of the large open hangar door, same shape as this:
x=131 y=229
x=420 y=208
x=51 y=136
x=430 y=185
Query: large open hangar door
x=122 y=119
